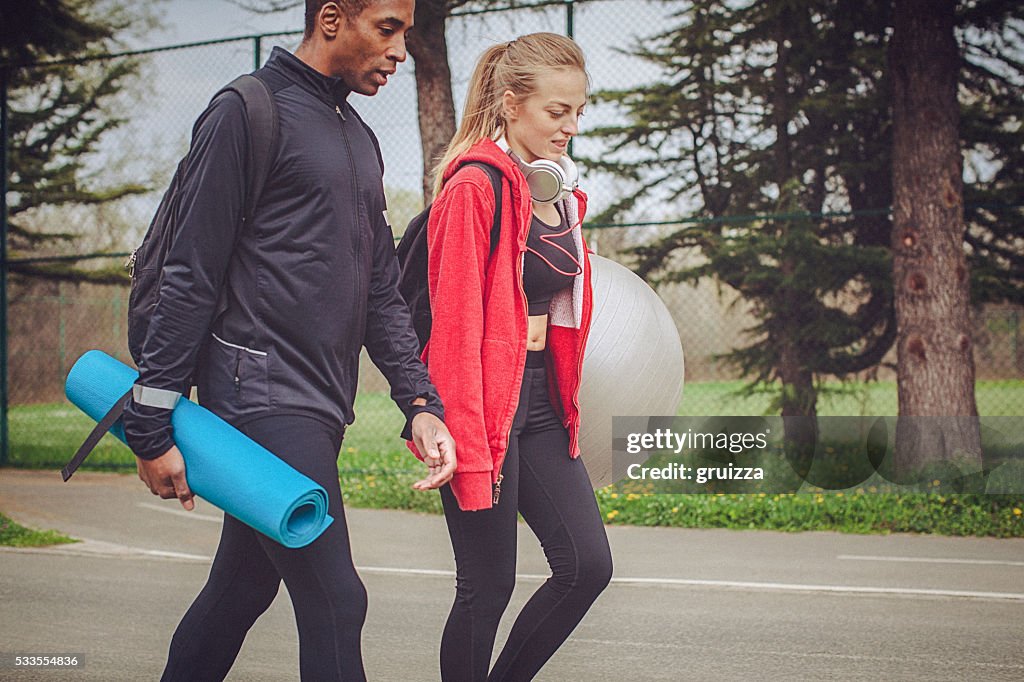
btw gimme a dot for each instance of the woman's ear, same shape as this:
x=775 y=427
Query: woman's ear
x=509 y=105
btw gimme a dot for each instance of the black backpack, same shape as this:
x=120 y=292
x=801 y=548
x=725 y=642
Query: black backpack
x=146 y=263
x=412 y=257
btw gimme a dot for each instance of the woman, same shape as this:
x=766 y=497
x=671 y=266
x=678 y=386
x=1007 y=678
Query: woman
x=510 y=322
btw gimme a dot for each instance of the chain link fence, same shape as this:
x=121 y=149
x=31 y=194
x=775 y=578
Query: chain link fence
x=51 y=324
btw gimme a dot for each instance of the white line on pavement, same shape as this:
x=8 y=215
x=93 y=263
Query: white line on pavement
x=195 y=516
x=838 y=589
x=929 y=560
x=105 y=550
x=761 y=586
x=95 y=548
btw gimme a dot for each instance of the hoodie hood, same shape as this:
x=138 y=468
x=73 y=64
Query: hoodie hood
x=486 y=151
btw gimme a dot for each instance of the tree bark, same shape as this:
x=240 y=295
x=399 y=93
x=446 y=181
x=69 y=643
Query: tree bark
x=930 y=273
x=429 y=49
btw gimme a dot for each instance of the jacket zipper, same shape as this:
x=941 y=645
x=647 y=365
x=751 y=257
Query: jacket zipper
x=355 y=188
x=496 y=493
x=579 y=363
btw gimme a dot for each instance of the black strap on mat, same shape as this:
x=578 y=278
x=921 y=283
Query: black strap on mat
x=94 y=438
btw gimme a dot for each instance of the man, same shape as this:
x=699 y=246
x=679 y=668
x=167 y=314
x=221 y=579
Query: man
x=309 y=282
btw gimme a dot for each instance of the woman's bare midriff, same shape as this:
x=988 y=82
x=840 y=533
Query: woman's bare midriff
x=537 y=332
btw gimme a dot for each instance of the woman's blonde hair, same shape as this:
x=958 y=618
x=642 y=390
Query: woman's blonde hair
x=511 y=66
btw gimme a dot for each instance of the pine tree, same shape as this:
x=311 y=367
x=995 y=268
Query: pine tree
x=784 y=109
x=58 y=114
x=772 y=109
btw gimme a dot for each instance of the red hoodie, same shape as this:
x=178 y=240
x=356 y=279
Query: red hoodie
x=476 y=354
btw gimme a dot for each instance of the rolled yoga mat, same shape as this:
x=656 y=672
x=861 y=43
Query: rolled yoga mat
x=222 y=465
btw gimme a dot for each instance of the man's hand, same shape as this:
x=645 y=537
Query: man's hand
x=165 y=477
x=437 y=446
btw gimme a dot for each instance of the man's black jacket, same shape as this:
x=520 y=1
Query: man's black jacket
x=309 y=282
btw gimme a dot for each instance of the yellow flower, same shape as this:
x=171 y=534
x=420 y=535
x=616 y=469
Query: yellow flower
x=615 y=496
x=1017 y=511
x=676 y=509
x=936 y=483
x=612 y=514
x=632 y=496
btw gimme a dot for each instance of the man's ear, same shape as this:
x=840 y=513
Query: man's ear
x=328 y=21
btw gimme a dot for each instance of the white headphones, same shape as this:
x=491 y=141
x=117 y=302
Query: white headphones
x=549 y=181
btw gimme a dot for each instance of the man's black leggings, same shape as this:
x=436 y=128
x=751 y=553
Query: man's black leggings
x=554 y=495
x=328 y=598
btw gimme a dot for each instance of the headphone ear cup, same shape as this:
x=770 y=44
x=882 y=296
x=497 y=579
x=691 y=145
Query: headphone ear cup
x=546 y=180
x=571 y=172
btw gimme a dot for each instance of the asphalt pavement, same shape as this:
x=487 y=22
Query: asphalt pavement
x=683 y=605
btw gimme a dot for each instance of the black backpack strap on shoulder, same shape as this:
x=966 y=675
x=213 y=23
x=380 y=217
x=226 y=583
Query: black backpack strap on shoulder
x=496 y=177
x=94 y=437
x=261 y=111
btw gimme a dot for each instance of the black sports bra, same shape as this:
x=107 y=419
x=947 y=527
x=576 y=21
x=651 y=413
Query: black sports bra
x=550 y=263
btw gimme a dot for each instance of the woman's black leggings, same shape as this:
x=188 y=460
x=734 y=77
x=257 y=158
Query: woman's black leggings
x=328 y=598
x=554 y=495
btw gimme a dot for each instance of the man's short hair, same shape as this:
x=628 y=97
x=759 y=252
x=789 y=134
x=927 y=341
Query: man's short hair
x=351 y=9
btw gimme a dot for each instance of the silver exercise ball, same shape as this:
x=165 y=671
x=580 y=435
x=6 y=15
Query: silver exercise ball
x=633 y=365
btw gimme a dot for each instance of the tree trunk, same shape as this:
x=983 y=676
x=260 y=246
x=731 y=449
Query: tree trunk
x=930 y=276
x=429 y=49
x=799 y=398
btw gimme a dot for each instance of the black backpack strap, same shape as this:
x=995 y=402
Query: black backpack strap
x=261 y=111
x=94 y=437
x=496 y=177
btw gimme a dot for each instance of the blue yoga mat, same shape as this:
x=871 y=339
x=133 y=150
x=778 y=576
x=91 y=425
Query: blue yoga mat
x=222 y=465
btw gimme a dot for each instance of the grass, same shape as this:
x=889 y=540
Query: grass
x=15 y=535
x=376 y=470
x=995 y=399
x=987 y=515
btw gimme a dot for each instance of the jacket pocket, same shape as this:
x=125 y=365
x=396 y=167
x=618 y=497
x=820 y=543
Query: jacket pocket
x=496 y=359
x=235 y=377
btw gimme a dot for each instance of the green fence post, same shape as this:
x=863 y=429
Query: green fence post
x=62 y=326
x=4 y=140
x=115 y=307
x=1018 y=366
